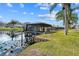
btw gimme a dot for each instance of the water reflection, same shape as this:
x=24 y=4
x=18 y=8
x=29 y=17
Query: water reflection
x=7 y=43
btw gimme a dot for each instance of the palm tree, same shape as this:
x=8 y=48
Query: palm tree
x=60 y=16
x=67 y=14
x=65 y=8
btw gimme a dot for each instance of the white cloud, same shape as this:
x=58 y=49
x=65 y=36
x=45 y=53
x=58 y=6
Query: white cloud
x=10 y=5
x=76 y=3
x=53 y=15
x=24 y=13
x=21 y=5
x=50 y=16
x=1 y=17
x=2 y=20
x=47 y=15
x=44 y=15
x=38 y=4
x=43 y=6
x=32 y=13
x=60 y=5
x=76 y=11
x=54 y=12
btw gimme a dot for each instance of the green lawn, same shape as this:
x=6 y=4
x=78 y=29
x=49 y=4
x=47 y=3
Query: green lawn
x=58 y=45
x=10 y=29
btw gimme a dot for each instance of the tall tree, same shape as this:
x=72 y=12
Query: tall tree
x=67 y=14
x=60 y=16
x=65 y=8
x=13 y=22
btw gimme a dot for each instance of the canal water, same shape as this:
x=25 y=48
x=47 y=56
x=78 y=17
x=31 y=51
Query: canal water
x=6 y=44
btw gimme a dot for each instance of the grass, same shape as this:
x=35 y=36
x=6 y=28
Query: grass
x=10 y=29
x=58 y=44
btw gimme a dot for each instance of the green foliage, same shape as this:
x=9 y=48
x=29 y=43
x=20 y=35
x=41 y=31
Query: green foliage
x=13 y=22
x=72 y=18
x=60 y=16
x=52 y=7
x=11 y=29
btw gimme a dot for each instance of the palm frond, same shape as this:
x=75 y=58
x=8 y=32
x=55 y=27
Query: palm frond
x=75 y=8
x=74 y=18
x=60 y=15
x=52 y=7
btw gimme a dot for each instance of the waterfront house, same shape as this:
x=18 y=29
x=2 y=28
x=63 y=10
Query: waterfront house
x=39 y=27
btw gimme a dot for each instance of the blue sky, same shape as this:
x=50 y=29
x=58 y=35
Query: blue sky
x=30 y=12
